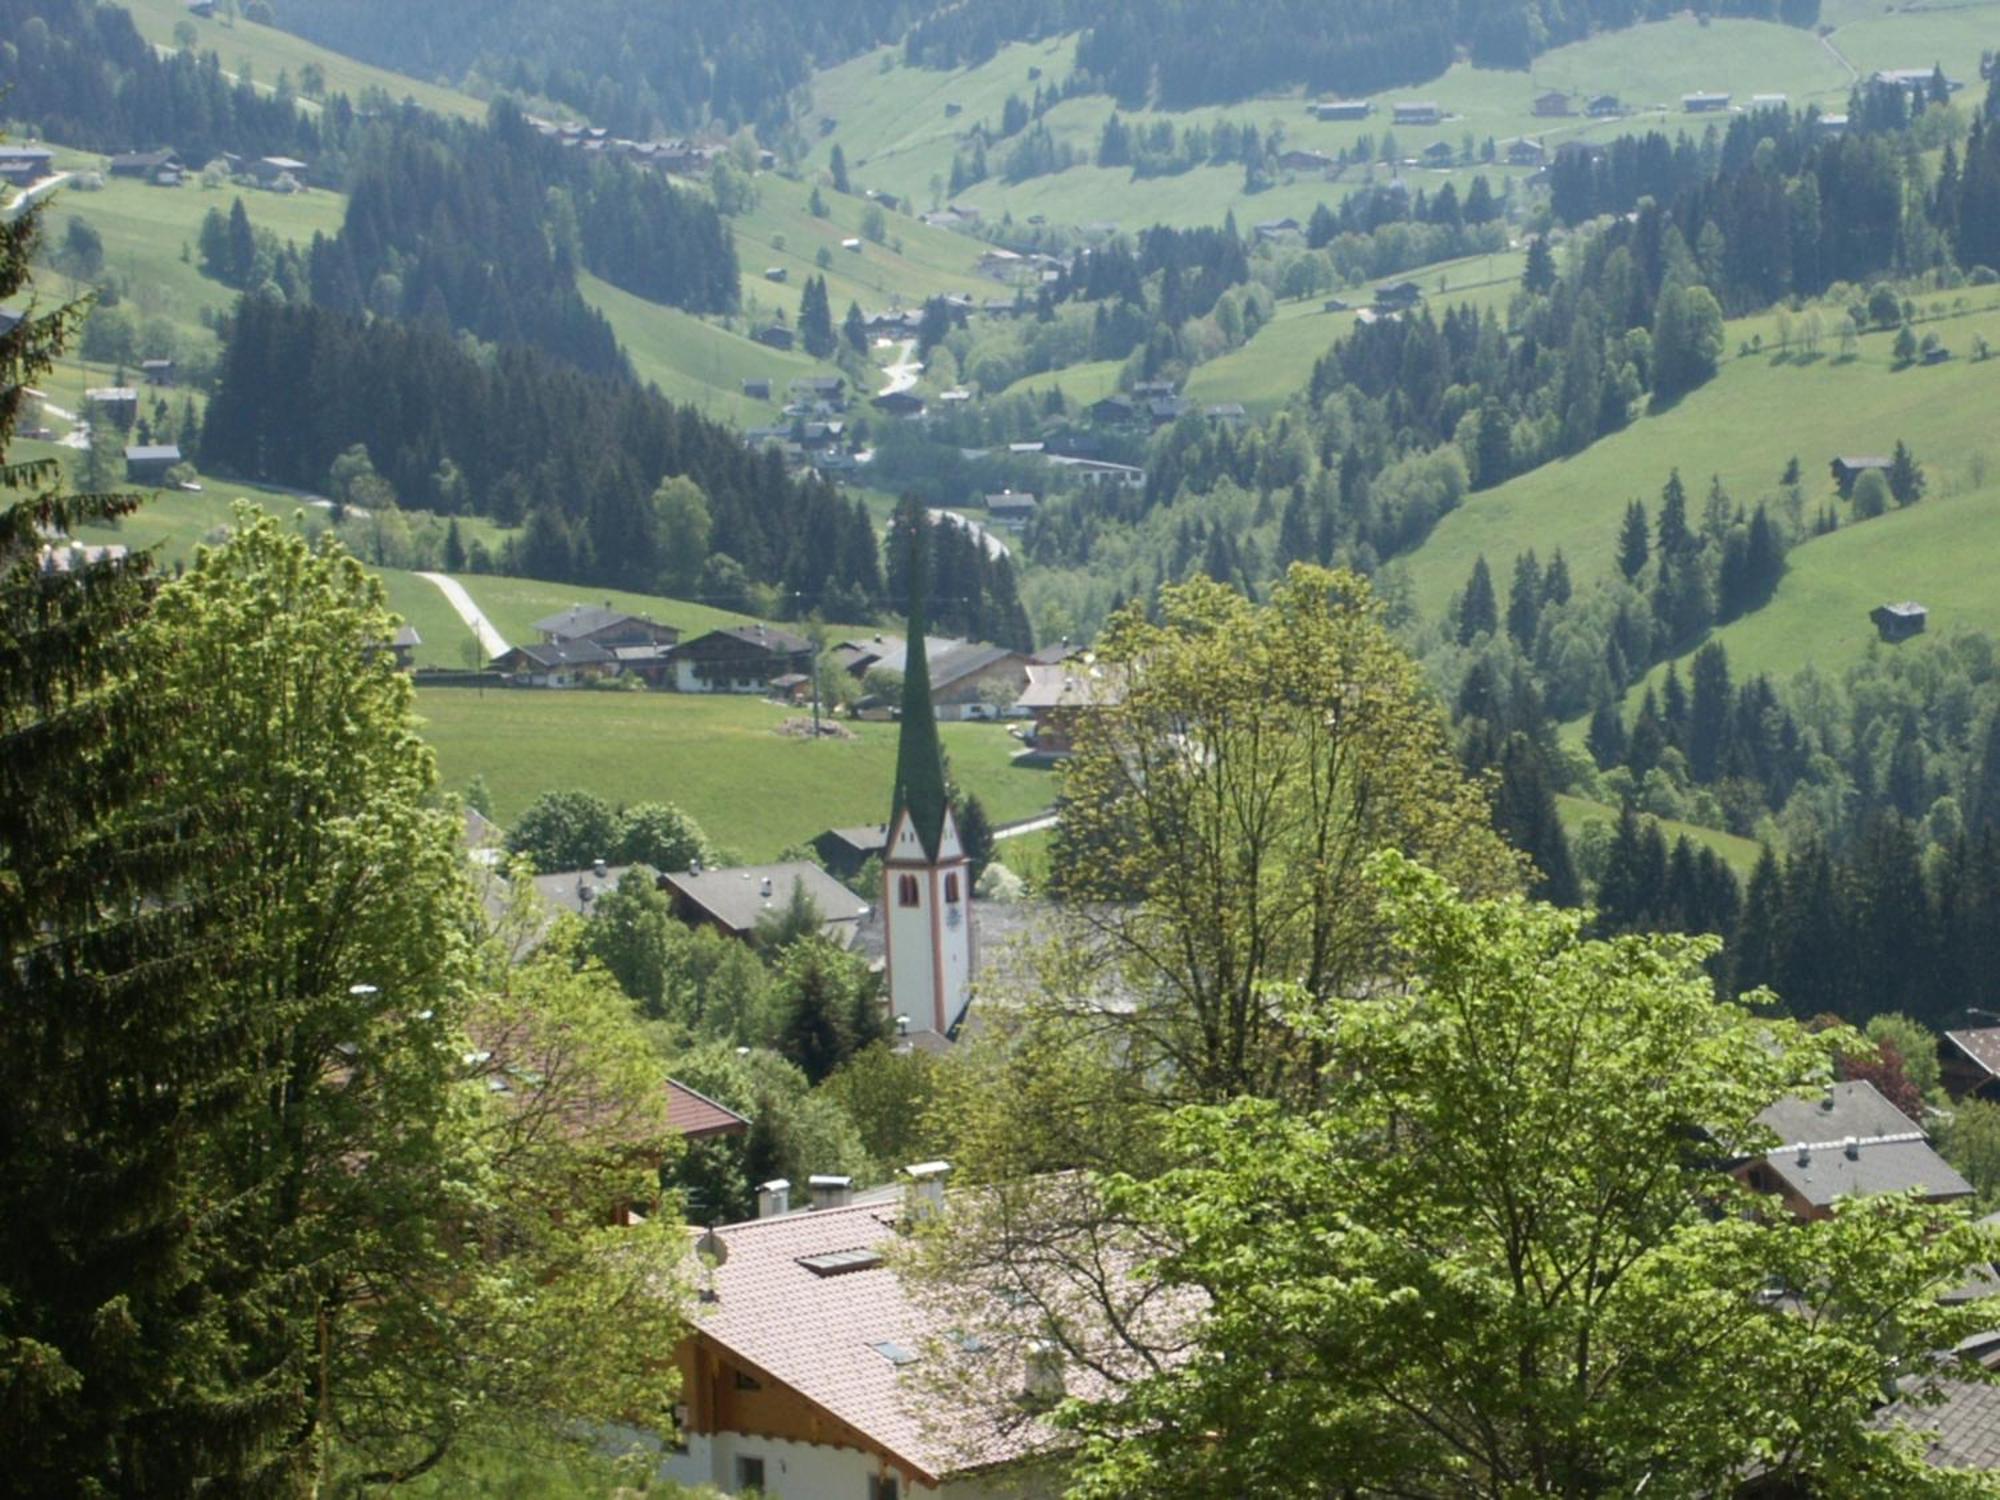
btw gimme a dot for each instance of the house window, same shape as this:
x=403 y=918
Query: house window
x=750 y=1474
x=747 y=1382
x=906 y=890
x=884 y=1487
x=951 y=887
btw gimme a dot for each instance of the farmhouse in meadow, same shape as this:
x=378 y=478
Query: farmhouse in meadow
x=1551 y=104
x=739 y=659
x=1343 y=109
x=1898 y=622
x=1704 y=103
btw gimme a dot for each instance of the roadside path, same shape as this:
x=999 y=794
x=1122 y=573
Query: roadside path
x=904 y=372
x=491 y=641
x=1031 y=825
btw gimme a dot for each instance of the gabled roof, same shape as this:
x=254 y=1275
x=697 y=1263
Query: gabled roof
x=588 y=619
x=868 y=838
x=1982 y=1046
x=547 y=655
x=738 y=899
x=775 y=642
x=1852 y=1142
x=819 y=1334
x=696 y=1116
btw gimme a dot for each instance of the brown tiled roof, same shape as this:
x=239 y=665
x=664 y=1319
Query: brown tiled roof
x=818 y=1333
x=696 y=1116
x=1982 y=1046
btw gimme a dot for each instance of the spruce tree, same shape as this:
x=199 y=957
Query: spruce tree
x=836 y=166
x=1540 y=275
x=117 y=1370
x=1524 y=601
x=1478 y=608
x=975 y=834
x=1606 y=738
x=1906 y=476
x=1634 y=541
x=1675 y=537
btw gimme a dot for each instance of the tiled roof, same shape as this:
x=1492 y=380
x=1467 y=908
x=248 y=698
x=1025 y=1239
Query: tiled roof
x=694 y=1115
x=1982 y=1046
x=1064 y=686
x=576 y=891
x=816 y=1333
x=738 y=898
x=1965 y=1426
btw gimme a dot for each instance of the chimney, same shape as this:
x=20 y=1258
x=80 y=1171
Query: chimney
x=1042 y=1382
x=765 y=885
x=599 y=868
x=1852 y=1147
x=830 y=1191
x=902 y=1026
x=1826 y=1096
x=774 y=1198
x=1805 y=1154
x=927 y=1189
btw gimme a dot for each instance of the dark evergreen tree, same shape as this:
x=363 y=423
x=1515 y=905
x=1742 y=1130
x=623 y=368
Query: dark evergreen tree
x=1634 y=541
x=120 y=1378
x=1606 y=737
x=1709 y=713
x=1524 y=601
x=816 y=334
x=1675 y=538
x=1906 y=476
x=975 y=834
x=1525 y=812
x=1758 y=943
x=1478 y=608
x=1540 y=276
x=836 y=166
x=854 y=328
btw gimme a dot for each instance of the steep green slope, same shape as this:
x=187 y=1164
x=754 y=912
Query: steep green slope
x=1760 y=411
x=269 y=51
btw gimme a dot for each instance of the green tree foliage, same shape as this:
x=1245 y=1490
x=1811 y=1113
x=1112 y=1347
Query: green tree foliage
x=1634 y=546
x=1906 y=476
x=831 y=1005
x=1478 y=607
x=565 y=830
x=1871 y=495
x=1524 y=1270
x=1540 y=276
x=836 y=166
x=1221 y=808
x=816 y=333
x=1687 y=339
x=111 y=1056
x=975 y=834
x=662 y=837
x=685 y=528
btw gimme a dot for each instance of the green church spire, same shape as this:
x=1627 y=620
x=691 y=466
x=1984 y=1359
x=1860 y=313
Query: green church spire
x=919 y=758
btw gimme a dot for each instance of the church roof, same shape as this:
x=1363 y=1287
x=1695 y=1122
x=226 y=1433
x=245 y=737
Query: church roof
x=920 y=789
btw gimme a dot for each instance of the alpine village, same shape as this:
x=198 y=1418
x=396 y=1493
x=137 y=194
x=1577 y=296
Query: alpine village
x=1000 y=749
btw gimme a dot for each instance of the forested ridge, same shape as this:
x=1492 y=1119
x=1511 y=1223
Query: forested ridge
x=574 y=457
x=86 y=77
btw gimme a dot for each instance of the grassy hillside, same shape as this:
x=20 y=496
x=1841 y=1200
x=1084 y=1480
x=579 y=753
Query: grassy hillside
x=149 y=230
x=755 y=791
x=914 y=263
x=269 y=51
x=695 y=361
x=1578 y=813
x=891 y=121
x=1277 y=364
x=1744 y=425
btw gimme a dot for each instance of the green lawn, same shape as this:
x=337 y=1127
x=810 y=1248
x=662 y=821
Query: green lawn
x=753 y=790
x=1744 y=425
x=1741 y=854
x=269 y=51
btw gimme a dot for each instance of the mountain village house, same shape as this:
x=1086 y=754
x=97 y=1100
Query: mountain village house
x=1849 y=1142
x=739 y=659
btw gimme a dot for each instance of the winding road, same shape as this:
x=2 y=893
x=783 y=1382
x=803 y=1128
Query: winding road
x=491 y=641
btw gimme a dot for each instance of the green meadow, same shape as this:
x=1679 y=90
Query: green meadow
x=1579 y=813
x=754 y=790
x=1759 y=411
x=269 y=51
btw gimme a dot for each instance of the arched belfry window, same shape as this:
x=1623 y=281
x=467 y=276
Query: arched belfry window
x=951 y=886
x=906 y=890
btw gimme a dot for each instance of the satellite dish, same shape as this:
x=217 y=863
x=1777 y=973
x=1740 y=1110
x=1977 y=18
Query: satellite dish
x=712 y=1249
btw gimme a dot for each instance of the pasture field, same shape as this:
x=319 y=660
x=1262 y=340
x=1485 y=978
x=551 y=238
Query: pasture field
x=1759 y=411
x=270 y=51
x=755 y=791
x=1578 y=813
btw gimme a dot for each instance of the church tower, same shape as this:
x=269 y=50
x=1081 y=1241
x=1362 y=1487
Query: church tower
x=926 y=879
